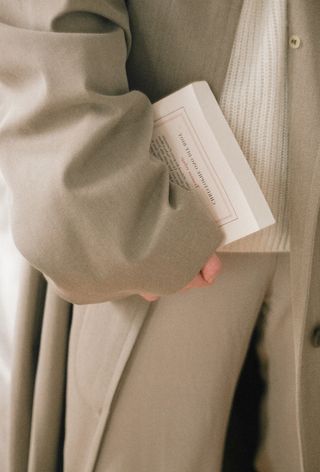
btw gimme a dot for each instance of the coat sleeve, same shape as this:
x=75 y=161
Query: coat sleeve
x=92 y=209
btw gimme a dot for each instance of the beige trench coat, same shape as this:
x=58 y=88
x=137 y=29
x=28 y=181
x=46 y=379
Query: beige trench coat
x=95 y=213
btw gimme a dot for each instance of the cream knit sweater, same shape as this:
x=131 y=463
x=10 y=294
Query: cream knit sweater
x=254 y=102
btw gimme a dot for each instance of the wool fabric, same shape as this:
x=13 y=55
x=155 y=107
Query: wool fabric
x=254 y=102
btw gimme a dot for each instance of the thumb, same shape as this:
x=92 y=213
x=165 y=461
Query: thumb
x=211 y=269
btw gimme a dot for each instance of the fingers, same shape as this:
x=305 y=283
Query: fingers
x=150 y=297
x=211 y=269
x=207 y=275
x=204 y=278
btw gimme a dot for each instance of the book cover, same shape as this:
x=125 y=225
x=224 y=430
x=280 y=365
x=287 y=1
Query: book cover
x=193 y=138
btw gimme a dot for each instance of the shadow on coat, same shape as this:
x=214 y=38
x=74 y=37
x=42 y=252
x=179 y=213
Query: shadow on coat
x=243 y=430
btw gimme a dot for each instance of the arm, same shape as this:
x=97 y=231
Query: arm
x=92 y=208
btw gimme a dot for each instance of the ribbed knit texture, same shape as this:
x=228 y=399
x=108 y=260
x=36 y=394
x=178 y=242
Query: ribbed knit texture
x=254 y=102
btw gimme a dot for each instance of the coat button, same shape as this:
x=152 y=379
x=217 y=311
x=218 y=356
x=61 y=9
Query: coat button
x=315 y=338
x=294 y=41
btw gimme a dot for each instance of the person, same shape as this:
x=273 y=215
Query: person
x=126 y=354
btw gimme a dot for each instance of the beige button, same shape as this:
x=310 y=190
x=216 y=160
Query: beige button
x=294 y=41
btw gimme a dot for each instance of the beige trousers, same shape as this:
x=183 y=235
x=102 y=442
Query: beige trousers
x=171 y=410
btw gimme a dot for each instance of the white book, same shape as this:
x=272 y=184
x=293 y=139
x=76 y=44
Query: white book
x=192 y=136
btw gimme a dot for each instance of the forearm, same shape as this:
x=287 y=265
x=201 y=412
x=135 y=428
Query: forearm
x=92 y=209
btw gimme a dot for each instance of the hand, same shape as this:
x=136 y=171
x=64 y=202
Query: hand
x=204 y=278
